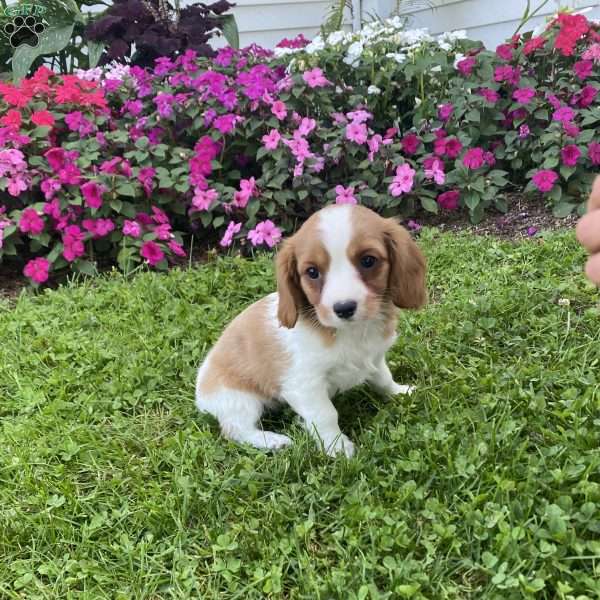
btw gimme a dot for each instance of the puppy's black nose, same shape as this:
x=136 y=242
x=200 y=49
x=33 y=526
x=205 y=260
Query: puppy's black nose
x=345 y=310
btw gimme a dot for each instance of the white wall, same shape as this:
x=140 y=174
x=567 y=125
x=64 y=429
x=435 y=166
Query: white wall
x=491 y=21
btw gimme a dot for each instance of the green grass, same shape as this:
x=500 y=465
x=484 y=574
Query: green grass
x=484 y=484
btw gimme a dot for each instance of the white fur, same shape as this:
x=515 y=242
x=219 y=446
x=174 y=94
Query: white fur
x=315 y=371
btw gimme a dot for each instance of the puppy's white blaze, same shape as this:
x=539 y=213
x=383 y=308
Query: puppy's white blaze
x=342 y=281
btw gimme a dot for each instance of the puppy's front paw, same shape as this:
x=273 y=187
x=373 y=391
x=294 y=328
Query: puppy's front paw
x=270 y=440
x=396 y=389
x=340 y=445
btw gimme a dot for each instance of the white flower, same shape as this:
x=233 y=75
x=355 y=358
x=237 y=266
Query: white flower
x=564 y=302
x=315 y=46
x=116 y=71
x=436 y=69
x=374 y=90
x=354 y=53
x=453 y=36
x=336 y=37
x=397 y=56
x=279 y=52
x=445 y=46
x=417 y=101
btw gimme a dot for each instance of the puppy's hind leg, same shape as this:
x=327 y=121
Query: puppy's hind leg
x=238 y=414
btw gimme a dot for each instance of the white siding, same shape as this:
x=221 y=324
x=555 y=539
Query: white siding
x=491 y=21
x=267 y=22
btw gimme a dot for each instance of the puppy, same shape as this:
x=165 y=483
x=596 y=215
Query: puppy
x=340 y=280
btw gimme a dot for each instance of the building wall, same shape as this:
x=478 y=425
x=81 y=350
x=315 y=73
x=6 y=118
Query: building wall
x=491 y=21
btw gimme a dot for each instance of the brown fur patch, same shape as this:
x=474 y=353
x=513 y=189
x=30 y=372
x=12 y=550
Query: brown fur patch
x=248 y=356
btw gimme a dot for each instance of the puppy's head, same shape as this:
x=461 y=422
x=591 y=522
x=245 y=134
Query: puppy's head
x=346 y=263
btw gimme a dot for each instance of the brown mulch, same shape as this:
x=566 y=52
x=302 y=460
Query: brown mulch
x=525 y=218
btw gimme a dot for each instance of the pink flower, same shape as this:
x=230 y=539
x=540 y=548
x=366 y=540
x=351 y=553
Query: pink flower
x=16 y=184
x=504 y=51
x=592 y=53
x=271 y=140
x=344 y=195
x=524 y=95
x=163 y=232
x=315 y=78
x=132 y=229
x=92 y=194
x=306 y=126
x=544 y=180
x=445 y=111
x=435 y=171
x=30 y=222
x=265 y=232
x=231 y=230
x=226 y=123
x=359 y=116
x=465 y=66
x=145 y=176
x=583 y=68
x=374 y=144
x=531 y=231
x=37 y=269
x=357 y=132
x=413 y=225
x=585 y=97
x=507 y=73
x=490 y=95
x=524 y=131
x=203 y=199
x=410 y=143
x=449 y=200
x=98 y=227
x=570 y=154
x=152 y=252
x=533 y=44
x=247 y=190
x=55 y=158
x=564 y=114
x=473 y=158
x=279 y=109
x=571 y=130
x=176 y=248
x=403 y=180
x=489 y=158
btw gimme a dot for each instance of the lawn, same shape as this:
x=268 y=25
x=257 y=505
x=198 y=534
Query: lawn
x=483 y=484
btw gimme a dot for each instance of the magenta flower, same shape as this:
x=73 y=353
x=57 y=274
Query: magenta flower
x=583 y=68
x=30 y=222
x=357 y=132
x=570 y=155
x=449 y=200
x=345 y=195
x=571 y=130
x=132 y=229
x=544 y=180
x=594 y=153
x=473 y=158
x=226 y=123
x=413 y=225
x=466 y=65
x=145 y=176
x=445 y=111
x=564 y=114
x=72 y=240
x=531 y=231
x=504 y=51
x=490 y=95
x=98 y=227
x=92 y=194
x=163 y=232
x=453 y=147
x=410 y=143
x=315 y=78
x=524 y=131
x=159 y=215
x=271 y=140
x=176 y=248
x=524 y=95
x=247 y=190
x=37 y=269
x=265 y=232
x=55 y=158
x=231 y=230
x=279 y=109
x=508 y=74
x=152 y=252
x=585 y=97
x=403 y=180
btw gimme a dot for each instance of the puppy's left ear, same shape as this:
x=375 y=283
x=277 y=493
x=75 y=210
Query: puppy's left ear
x=408 y=268
x=291 y=296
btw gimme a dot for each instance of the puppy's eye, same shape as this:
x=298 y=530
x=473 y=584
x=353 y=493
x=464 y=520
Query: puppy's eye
x=367 y=261
x=313 y=272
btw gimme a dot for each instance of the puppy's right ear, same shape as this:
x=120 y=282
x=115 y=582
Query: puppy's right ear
x=291 y=297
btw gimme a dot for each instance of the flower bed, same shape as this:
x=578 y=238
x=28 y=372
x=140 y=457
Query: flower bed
x=124 y=162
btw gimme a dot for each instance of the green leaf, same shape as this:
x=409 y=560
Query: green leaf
x=230 y=30
x=52 y=40
x=563 y=209
x=126 y=189
x=95 y=50
x=429 y=204
x=87 y=267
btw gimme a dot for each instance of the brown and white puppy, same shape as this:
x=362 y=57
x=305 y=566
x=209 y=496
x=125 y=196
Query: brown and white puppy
x=340 y=280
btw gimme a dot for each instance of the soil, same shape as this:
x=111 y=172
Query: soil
x=525 y=218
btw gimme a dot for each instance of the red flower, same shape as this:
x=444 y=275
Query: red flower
x=449 y=200
x=42 y=118
x=12 y=119
x=572 y=28
x=533 y=44
x=14 y=96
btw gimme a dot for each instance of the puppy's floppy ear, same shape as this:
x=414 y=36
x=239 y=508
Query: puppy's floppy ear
x=291 y=296
x=408 y=267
